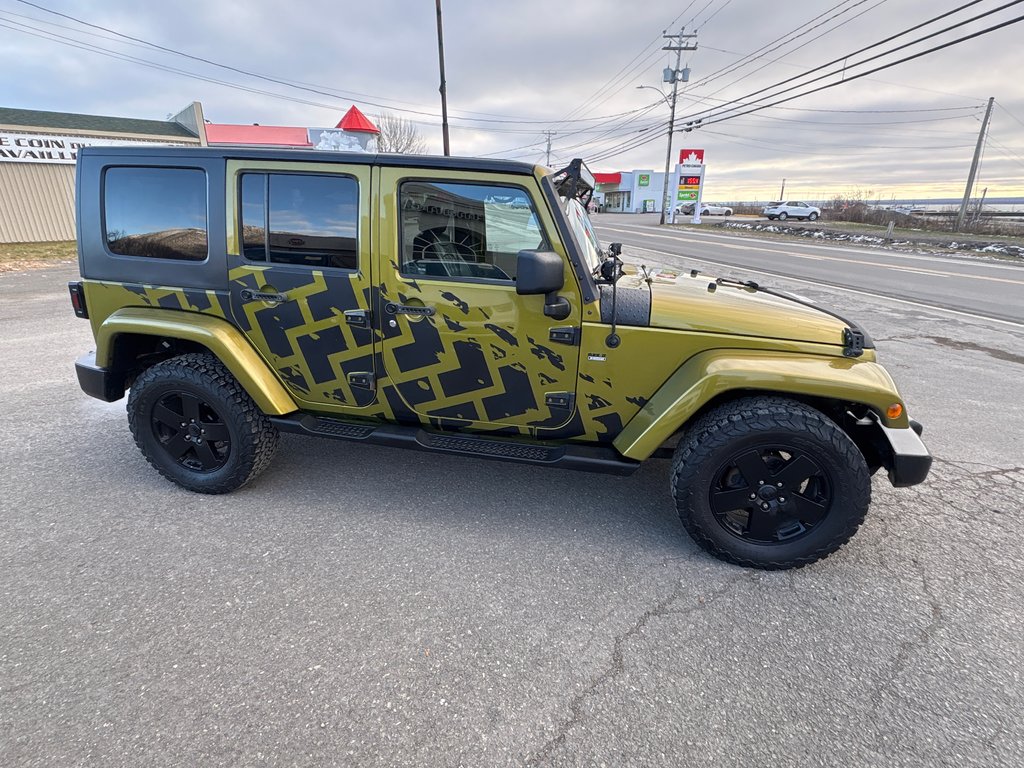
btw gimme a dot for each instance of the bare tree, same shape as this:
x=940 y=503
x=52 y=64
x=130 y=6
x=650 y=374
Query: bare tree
x=399 y=135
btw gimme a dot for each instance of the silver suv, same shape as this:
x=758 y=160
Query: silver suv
x=791 y=210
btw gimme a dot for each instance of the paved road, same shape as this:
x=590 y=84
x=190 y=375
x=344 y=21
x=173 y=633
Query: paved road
x=380 y=607
x=985 y=288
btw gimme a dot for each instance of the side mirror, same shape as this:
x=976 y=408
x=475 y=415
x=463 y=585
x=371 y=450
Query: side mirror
x=541 y=272
x=538 y=272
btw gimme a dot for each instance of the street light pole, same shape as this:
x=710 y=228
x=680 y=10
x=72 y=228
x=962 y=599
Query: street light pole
x=674 y=76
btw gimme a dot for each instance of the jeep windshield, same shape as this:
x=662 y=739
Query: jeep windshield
x=579 y=222
x=575 y=186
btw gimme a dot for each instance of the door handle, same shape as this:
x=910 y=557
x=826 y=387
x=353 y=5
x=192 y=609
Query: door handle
x=271 y=298
x=405 y=309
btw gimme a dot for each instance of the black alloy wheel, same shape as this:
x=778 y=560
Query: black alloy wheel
x=770 y=494
x=198 y=426
x=768 y=482
x=190 y=431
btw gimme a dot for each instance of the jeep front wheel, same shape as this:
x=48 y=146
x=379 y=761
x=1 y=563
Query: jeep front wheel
x=769 y=483
x=197 y=426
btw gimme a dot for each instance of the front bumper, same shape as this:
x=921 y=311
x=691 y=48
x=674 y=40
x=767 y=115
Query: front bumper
x=101 y=383
x=904 y=454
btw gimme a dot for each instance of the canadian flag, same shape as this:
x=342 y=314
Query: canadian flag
x=691 y=157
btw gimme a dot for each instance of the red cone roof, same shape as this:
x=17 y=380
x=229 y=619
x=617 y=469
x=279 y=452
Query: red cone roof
x=356 y=121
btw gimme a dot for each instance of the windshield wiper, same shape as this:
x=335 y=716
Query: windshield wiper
x=855 y=338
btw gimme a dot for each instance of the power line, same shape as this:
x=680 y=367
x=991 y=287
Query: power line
x=1010 y=114
x=704 y=114
x=905 y=59
x=761 y=52
x=311 y=88
x=646 y=50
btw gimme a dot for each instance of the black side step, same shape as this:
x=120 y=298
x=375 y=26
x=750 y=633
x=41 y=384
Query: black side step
x=586 y=458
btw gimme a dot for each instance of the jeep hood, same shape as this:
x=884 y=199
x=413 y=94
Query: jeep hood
x=684 y=303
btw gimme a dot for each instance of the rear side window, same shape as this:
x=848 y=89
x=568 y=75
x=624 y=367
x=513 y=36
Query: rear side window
x=157 y=213
x=301 y=219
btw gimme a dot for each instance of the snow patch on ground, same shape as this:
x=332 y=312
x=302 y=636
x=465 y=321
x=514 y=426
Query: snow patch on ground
x=1002 y=249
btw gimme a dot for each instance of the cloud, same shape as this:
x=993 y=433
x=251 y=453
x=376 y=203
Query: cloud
x=515 y=71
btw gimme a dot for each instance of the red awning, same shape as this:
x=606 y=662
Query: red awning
x=356 y=121
x=608 y=178
x=272 y=135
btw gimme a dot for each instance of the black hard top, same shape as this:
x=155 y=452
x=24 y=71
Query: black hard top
x=137 y=154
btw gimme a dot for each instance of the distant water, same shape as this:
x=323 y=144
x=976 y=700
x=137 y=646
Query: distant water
x=1008 y=204
x=1011 y=204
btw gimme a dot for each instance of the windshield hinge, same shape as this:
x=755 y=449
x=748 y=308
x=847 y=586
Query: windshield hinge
x=853 y=342
x=564 y=335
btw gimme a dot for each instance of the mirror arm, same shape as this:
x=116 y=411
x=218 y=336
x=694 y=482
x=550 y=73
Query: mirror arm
x=556 y=307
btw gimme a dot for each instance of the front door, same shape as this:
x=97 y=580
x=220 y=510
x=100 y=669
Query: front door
x=300 y=273
x=459 y=346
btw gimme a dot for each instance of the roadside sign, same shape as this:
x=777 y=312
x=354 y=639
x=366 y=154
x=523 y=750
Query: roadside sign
x=689 y=180
x=691 y=157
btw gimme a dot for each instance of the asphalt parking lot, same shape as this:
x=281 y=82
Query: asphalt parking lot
x=362 y=606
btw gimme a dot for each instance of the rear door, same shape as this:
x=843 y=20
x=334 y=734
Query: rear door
x=300 y=270
x=459 y=345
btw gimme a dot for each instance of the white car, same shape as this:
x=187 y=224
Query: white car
x=792 y=210
x=706 y=209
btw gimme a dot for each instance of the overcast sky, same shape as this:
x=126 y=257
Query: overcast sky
x=572 y=67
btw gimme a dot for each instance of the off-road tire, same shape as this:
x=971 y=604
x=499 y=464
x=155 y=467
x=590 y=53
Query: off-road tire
x=252 y=439
x=762 y=424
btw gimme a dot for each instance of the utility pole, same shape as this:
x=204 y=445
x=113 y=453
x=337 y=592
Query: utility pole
x=444 y=87
x=974 y=167
x=782 y=192
x=674 y=76
x=549 y=134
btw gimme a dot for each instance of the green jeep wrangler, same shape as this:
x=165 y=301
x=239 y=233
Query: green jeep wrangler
x=466 y=307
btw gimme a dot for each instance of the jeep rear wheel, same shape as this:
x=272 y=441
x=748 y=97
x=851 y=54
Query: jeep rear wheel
x=769 y=483
x=197 y=426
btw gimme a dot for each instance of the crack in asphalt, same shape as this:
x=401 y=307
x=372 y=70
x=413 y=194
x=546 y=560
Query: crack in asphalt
x=904 y=658
x=910 y=647
x=974 y=494
x=970 y=346
x=987 y=470
x=617 y=666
